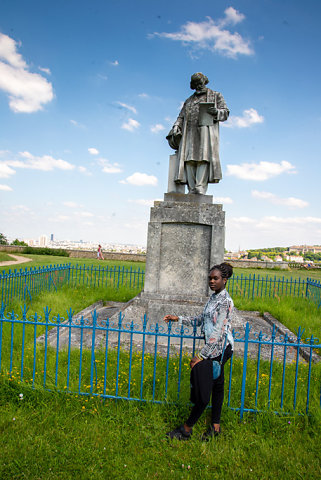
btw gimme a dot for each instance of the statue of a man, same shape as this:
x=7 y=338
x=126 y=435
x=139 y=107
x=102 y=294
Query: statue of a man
x=195 y=136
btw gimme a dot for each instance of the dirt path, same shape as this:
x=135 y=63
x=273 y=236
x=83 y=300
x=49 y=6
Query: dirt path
x=16 y=261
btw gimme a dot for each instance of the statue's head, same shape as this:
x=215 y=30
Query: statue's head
x=198 y=81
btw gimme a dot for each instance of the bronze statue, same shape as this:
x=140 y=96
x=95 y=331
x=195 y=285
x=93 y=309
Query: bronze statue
x=195 y=136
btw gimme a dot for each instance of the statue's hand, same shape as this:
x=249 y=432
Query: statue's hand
x=176 y=130
x=212 y=110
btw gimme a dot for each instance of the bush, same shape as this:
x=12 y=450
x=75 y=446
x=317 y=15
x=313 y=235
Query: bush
x=59 y=252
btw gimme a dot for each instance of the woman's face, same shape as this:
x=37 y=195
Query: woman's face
x=216 y=281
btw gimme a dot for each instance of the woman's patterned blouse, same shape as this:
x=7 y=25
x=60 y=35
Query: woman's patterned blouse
x=215 y=322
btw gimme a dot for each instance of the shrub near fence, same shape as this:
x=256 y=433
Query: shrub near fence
x=143 y=362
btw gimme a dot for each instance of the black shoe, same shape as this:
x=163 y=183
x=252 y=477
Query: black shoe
x=180 y=433
x=210 y=433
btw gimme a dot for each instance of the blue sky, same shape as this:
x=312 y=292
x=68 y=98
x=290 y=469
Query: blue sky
x=90 y=89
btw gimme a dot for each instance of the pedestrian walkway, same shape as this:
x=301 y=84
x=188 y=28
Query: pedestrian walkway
x=16 y=260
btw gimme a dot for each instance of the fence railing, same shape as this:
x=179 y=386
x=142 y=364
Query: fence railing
x=145 y=362
x=313 y=291
x=24 y=284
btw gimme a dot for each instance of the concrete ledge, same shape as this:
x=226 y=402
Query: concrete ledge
x=304 y=352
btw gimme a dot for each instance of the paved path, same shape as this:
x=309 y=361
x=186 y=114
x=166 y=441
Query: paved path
x=16 y=261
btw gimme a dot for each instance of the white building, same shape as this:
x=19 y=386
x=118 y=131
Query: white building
x=43 y=241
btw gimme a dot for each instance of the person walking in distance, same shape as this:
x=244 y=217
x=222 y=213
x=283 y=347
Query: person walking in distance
x=100 y=253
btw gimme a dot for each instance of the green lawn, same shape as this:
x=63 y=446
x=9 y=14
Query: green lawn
x=64 y=436
x=60 y=436
x=44 y=260
x=4 y=257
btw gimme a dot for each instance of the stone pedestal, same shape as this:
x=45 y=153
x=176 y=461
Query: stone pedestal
x=185 y=238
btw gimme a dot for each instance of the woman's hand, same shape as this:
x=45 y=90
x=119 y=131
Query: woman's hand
x=170 y=318
x=194 y=361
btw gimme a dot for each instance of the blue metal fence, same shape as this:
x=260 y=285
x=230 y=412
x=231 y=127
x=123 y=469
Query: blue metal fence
x=313 y=291
x=24 y=284
x=146 y=362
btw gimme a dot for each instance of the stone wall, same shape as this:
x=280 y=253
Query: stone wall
x=135 y=257
x=258 y=264
x=128 y=257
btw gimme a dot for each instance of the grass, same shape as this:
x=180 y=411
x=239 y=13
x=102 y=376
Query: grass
x=292 y=312
x=77 y=298
x=4 y=257
x=44 y=260
x=55 y=436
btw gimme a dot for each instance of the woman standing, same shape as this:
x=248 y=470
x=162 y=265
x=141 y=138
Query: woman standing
x=215 y=322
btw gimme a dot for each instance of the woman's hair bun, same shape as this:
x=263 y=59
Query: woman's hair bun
x=225 y=268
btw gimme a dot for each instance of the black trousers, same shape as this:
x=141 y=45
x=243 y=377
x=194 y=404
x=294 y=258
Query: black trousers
x=200 y=400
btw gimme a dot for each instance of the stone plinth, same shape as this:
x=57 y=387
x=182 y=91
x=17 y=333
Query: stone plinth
x=185 y=238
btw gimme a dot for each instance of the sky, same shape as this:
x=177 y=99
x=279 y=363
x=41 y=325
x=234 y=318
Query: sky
x=90 y=89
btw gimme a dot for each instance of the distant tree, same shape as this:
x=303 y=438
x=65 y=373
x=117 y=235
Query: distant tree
x=3 y=240
x=19 y=243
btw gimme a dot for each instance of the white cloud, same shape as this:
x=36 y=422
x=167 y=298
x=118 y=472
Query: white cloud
x=242 y=220
x=25 y=160
x=222 y=200
x=143 y=95
x=143 y=201
x=93 y=151
x=28 y=92
x=21 y=209
x=5 y=170
x=45 y=70
x=288 y=222
x=232 y=16
x=130 y=125
x=127 y=107
x=260 y=171
x=5 y=188
x=71 y=204
x=115 y=63
x=84 y=170
x=108 y=167
x=85 y=214
x=212 y=35
x=140 y=179
x=60 y=218
x=245 y=232
x=288 y=202
x=44 y=163
x=77 y=124
x=250 y=117
x=157 y=128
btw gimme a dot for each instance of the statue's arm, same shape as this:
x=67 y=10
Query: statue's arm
x=220 y=112
x=175 y=134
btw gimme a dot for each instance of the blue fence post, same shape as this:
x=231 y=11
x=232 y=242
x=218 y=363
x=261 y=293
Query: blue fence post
x=143 y=354
x=92 y=361
x=24 y=319
x=70 y=315
x=246 y=344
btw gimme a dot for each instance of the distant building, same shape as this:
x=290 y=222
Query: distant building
x=305 y=248
x=52 y=237
x=43 y=241
x=294 y=259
